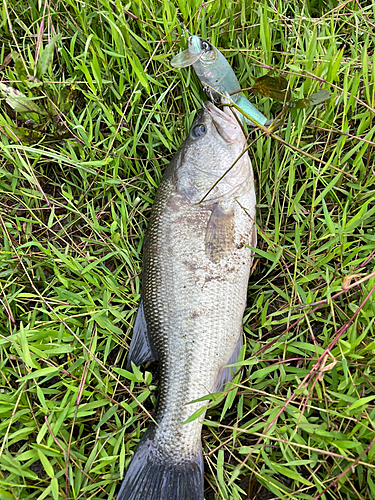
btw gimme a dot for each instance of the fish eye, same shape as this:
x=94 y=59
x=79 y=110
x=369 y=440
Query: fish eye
x=199 y=131
x=205 y=46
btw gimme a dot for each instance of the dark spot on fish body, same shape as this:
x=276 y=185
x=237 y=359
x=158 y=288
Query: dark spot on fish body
x=195 y=314
x=190 y=265
x=217 y=277
x=174 y=203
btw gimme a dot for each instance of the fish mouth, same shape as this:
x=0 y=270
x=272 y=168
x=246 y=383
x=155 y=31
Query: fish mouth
x=225 y=113
x=225 y=121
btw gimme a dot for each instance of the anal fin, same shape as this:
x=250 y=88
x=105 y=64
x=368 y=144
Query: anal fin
x=141 y=346
x=226 y=373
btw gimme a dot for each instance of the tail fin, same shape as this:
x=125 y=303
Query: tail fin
x=152 y=476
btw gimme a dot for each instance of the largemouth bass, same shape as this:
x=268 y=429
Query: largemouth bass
x=215 y=75
x=196 y=266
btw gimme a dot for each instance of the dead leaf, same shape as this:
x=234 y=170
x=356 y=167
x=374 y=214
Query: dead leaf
x=323 y=368
x=275 y=87
x=346 y=281
x=6 y=61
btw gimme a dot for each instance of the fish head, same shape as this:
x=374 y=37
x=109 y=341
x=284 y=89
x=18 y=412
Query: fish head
x=216 y=143
x=198 y=50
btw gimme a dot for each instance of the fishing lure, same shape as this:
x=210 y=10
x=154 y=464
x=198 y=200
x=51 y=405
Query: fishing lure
x=216 y=76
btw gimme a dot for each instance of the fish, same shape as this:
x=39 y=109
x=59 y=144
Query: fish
x=216 y=76
x=197 y=258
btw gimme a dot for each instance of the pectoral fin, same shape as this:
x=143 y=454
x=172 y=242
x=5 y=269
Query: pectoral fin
x=219 y=240
x=185 y=59
x=141 y=346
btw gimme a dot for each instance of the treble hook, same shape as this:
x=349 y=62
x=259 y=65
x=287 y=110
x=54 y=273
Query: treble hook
x=186 y=33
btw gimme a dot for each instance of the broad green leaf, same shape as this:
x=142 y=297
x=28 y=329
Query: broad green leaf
x=25 y=349
x=361 y=402
x=43 y=372
x=346 y=444
x=55 y=488
x=23 y=134
x=46 y=463
x=46 y=57
x=108 y=414
x=46 y=493
x=267 y=255
x=139 y=71
x=288 y=472
x=196 y=414
x=312 y=100
x=19 y=67
x=19 y=102
x=68 y=96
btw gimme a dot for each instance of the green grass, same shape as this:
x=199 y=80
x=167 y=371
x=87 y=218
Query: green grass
x=76 y=189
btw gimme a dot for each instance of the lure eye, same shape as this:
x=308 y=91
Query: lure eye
x=205 y=46
x=199 y=131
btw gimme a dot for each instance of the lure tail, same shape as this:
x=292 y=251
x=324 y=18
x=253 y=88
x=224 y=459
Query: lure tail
x=154 y=476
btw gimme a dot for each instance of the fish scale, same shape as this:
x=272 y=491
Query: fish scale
x=196 y=266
